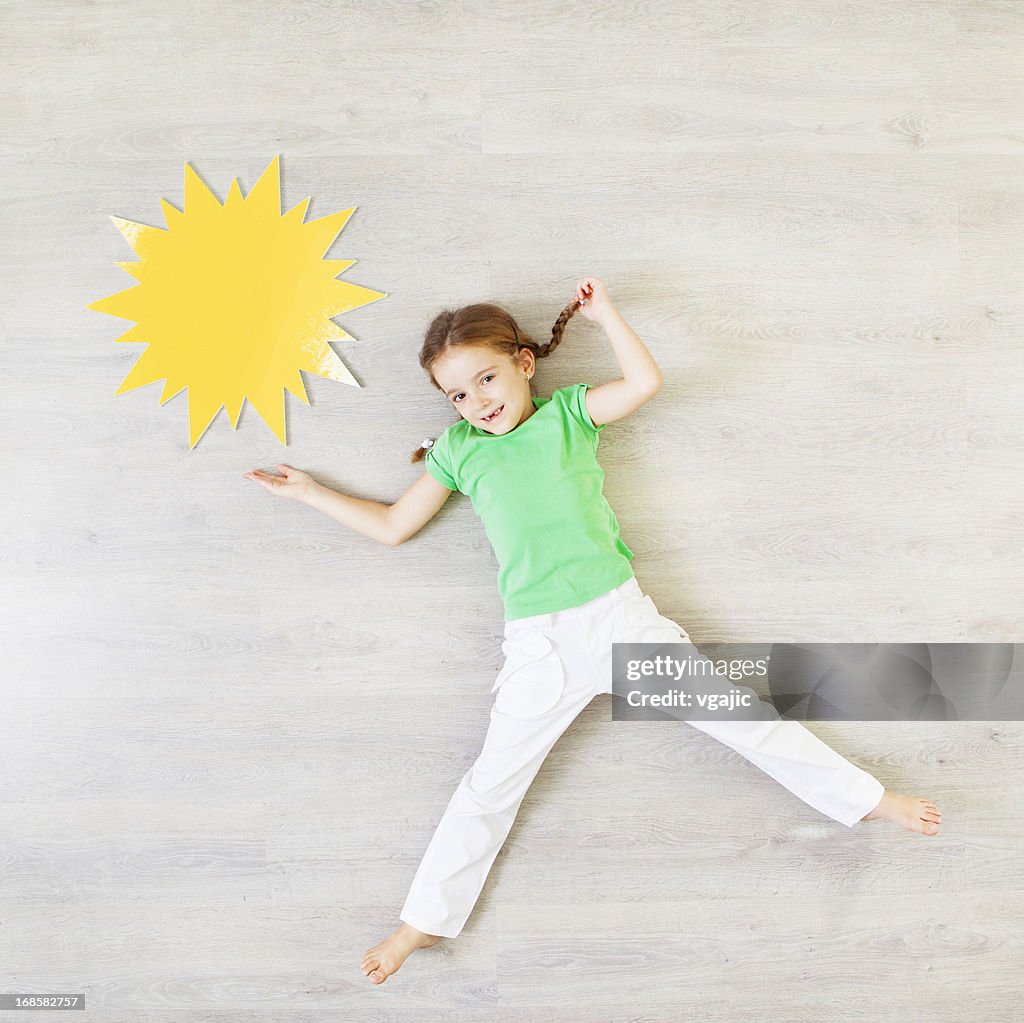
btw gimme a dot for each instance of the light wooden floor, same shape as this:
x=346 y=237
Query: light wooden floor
x=229 y=725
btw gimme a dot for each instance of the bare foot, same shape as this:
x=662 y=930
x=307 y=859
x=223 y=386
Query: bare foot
x=384 y=959
x=910 y=812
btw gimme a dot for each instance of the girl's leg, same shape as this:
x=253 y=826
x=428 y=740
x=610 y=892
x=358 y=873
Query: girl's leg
x=782 y=748
x=547 y=680
x=803 y=763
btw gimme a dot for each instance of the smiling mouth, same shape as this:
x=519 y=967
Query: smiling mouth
x=494 y=415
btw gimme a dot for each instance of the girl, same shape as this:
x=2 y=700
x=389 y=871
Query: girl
x=528 y=465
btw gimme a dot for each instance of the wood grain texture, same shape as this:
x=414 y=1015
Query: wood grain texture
x=229 y=725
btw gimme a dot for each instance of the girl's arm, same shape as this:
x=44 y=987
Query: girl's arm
x=416 y=507
x=391 y=524
x=641 y=377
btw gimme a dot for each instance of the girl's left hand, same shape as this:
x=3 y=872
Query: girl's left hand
x=595 y=302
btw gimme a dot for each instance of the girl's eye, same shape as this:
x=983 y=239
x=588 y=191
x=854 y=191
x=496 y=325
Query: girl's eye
x=490 y=376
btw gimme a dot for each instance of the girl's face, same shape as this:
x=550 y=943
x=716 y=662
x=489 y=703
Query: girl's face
x=489 y=389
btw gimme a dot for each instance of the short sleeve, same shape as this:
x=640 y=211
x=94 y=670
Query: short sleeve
x=439 y=463
x=577 y=403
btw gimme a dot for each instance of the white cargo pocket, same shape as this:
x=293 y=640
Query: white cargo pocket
x=646 y=624
x=533 y=678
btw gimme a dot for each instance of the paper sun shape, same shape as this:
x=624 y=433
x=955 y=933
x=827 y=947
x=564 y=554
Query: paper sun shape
x=234 y=300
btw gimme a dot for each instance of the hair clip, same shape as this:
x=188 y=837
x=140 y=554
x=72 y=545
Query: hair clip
x=428 y=443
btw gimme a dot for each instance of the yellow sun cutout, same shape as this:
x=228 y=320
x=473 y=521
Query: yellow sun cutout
x=234 y=301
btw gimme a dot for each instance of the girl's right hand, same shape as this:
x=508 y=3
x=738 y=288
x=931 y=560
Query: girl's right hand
x=293 y=483
x=594 y=301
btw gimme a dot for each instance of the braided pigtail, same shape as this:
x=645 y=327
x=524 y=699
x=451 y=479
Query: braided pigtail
x=543 y=351
x=559 y=328
x=421 y=452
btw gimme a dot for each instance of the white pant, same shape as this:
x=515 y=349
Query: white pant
x=555 y=665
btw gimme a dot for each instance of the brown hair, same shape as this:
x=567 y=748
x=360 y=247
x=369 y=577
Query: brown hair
x=483 y=324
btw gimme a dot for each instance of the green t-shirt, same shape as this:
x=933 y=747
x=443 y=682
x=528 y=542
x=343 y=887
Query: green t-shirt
x=539 y=492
